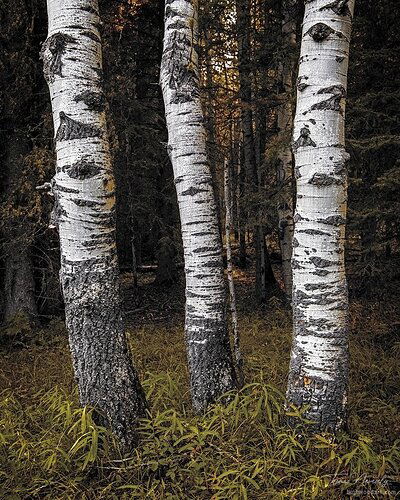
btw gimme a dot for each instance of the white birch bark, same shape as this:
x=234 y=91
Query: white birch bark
x=229 y=268
x=319 y=359
x=85 y=213
x=209 y=355
x=285 y=126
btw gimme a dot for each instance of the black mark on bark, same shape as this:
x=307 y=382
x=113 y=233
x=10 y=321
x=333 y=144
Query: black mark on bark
x=51 y=53
x=320 y=32
x=94 y=100
x=304 y=139
x=90 y=9
x=192 y=191
x=339 y=7
x=297 y=217
x=332 y=103
x=71 y=129
x=92 y=36
x=324 y=180
x=313 y=232
x=321 y=272
x=319 y=262
x=183 y=79
x=333 y=220
x=87 y=203
x=82 y=170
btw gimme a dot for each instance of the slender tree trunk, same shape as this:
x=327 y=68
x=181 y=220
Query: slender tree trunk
x=240 y=210
x=285 y=125
x=229 y=267
x=261 y=250
x=85 y=210
x=249 y=153
x=318 y=374
x=212 y=148
x=134 y=262
x=19 y=283
x=233 y=172
x=210 y=359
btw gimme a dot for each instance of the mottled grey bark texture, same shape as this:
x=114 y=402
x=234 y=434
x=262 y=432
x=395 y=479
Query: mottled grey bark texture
x=318 y=374
x=84 y=189
x=209 y=355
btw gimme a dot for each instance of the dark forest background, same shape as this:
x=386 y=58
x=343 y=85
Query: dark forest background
x=147 y=208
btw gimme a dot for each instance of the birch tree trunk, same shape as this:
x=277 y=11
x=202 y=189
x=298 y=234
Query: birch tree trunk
x=209 y=354
x=285 y=159
x=319 y=360
x=85 y=209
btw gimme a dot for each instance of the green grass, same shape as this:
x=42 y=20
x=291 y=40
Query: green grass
x=50 y=448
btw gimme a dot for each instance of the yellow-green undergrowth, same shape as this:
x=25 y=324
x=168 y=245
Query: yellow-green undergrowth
x=50 y=448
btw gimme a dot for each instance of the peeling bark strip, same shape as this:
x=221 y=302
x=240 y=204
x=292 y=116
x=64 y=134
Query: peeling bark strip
x=319 y=358
x=84 y=211
x=209 y=355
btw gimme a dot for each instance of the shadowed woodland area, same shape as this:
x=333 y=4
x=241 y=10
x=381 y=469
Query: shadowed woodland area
x=199 y=249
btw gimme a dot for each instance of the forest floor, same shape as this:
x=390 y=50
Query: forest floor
x=49 y=447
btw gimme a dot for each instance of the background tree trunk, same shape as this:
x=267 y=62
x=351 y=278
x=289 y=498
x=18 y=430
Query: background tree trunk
x=318 y=373
x=285 y=125
x=241 y=176
x=19 y=283
x=210 y=359
x=85 y=208
x=229 y=268
x=249 y=153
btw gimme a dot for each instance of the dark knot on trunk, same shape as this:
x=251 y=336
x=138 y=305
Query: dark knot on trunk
x=304 y=139
x=71 y=129
x=320 y=32
x=51 y=54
